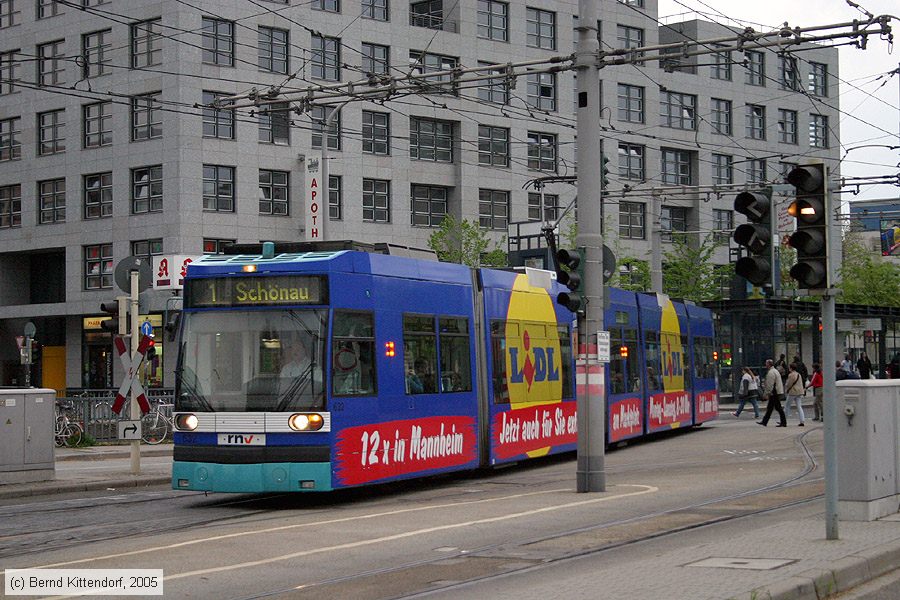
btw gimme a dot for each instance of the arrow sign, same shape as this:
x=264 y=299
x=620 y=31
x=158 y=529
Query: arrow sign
x=129 y=430
x=131 y=379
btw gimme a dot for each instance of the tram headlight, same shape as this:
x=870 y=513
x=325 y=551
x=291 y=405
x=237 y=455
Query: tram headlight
x=186 y=422
x=306 y=422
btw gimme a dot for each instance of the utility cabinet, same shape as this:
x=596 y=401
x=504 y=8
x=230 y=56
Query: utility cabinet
x=27 y=425
x=868 y=430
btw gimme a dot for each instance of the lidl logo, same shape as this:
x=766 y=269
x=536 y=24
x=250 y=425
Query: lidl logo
x=539 y=363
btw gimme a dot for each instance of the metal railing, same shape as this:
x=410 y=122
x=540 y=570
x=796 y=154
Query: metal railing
x=92 y=408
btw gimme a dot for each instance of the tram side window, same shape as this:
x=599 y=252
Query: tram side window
x=565 y=357
x=685 y=361
x=456 y=366
x=498 y=358
x=703 y=361
x=420 y=354
x=353 y=354
x=616 y=363
x=651 y=350
x=632 y=360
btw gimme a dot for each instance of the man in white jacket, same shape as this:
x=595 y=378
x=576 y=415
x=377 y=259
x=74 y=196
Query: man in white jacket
x=773 y=394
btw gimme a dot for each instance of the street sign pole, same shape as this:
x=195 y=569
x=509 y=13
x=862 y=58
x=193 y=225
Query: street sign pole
x=135 y=341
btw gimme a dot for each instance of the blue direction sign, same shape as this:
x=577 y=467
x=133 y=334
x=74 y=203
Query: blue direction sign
x=146 y=328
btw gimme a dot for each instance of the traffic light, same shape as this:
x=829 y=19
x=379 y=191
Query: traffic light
x=756 y=236
x=571 y=277
x=151 y=350
x=810 y=208
x=118 y=312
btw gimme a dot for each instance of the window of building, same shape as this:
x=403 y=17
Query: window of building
x=9 y=16
x=326 y=58
x=51 y=59
x=721 y=116
x=95 y=52
x=678 y=110
x=90 y=3
x=147 y=189
x=146 y=43
x=376 y=201
x=48 y=8
x=9 y=72
x=275 y=124
x=147 y=248
x=429 y=13
x=218 y=188
x=273 y=49
x=493 y=90
x=784 y=168
x=430 y=139
x=540 y=28
x=335 y=198
x=634 y=3
x=375 y=9
x=818 y=131
x=787 y=126
x=52 y=201
x=493 y=20
x=818 y=79
x=756 y=170
x=542 y=151
x=274 y=195
x=10 y=144
x=426 y=62
x=98 y=267
x=428 y=205
x=96 y=121
x=723 y=169
x=318 y=115
x=676 y=166
x=375 y=59
x=98 y=195
x=51 y=139
x=723 y=224
x=146 y=117
x=631 y=220
x=10 y=206
x=756 y=122
x=493 y=146
x=548 y=210
x=788 y=75
x=721 y=67
x=756 y=67
x=629 y=37
x=327 y=5
x=218 y=42
x=672 y=219
x=631 y=161
x=631 y=103
x=217 y=122
x=215 y=246
x=376 y=132
x=541 y=91
x=493 y=209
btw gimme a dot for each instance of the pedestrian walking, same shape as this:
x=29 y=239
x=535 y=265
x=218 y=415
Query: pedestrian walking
x=781 y=367
x=773 y=394
x=748 y=391
x=816 y=384
x=864 y=366
x=801 y=368
x=795 y=390
x=846 y=364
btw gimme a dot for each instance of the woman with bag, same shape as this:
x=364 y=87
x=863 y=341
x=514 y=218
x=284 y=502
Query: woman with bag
x=794 y=390
x=816 y=384
x=748 y=391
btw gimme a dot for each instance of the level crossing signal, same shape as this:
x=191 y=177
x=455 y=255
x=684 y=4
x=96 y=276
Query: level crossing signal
x=118 y=313
x=755 y=236
x=572 y=276
x=810 y=209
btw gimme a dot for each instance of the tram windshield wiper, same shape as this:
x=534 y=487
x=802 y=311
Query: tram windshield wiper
x=189 y=393
x=286 y=399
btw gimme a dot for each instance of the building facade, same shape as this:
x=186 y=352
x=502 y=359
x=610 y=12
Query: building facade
x=106 y=149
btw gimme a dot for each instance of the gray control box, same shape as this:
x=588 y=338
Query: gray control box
x=27 y=421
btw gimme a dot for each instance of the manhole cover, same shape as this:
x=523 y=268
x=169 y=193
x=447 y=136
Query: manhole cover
x=754 y=564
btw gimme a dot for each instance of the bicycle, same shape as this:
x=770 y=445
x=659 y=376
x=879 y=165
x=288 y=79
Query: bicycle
x=67 y=432
x=157 y=423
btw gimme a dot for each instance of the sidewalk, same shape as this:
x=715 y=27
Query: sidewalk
x=70 y=479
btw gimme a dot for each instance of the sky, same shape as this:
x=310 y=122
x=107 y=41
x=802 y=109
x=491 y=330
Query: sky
x=874 y=106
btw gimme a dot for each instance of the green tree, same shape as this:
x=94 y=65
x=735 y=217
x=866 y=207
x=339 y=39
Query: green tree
x=637 y=278
x=866 y=278
x=465 y=242
x=688 y=271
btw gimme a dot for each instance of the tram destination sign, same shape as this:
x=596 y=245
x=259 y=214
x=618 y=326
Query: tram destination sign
x=259 y=290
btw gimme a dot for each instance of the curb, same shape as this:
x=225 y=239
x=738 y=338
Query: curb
x=48 y=488
x=91 y=455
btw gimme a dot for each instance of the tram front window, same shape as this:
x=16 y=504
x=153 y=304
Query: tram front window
x=267 y=360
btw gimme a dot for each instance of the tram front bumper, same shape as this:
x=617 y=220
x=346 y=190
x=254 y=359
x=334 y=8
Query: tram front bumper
x=252 y=478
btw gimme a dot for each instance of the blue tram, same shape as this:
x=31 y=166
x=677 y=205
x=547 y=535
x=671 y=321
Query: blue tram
x=313 y=371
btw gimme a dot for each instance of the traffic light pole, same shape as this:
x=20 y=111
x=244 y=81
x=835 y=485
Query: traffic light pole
x=829 y=405
x=591 y=475
x=135 y=340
